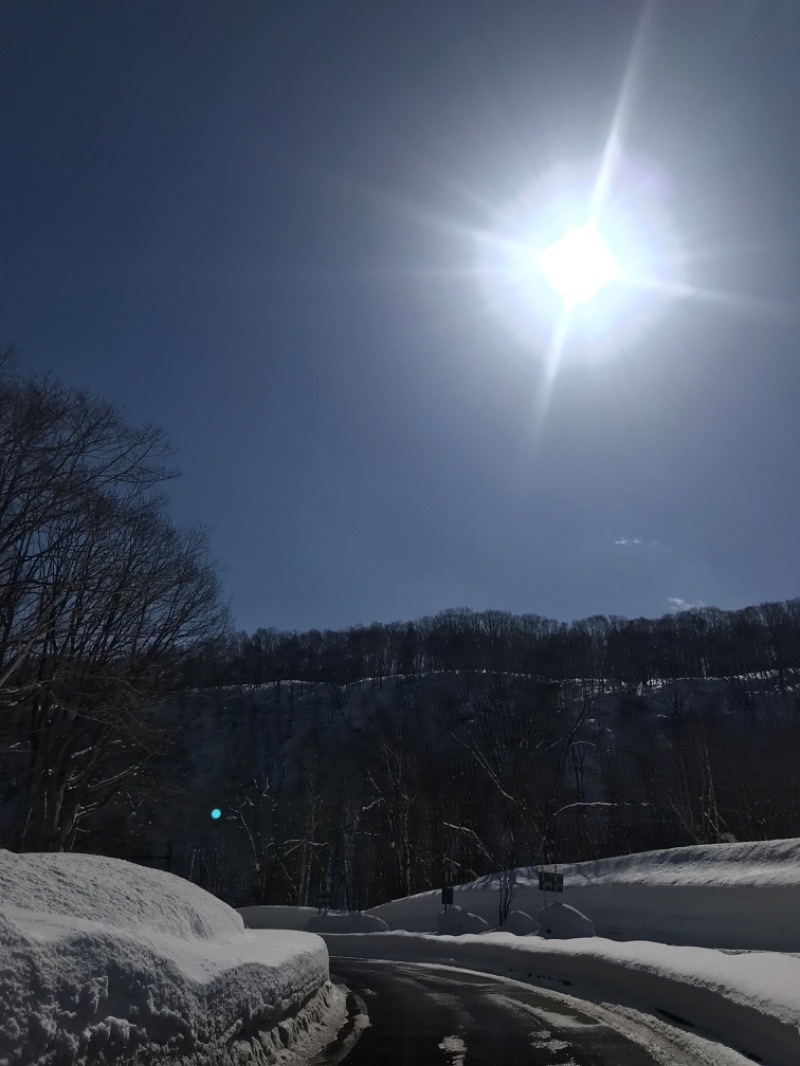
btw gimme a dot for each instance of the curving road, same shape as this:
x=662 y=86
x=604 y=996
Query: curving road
x=420 y=1015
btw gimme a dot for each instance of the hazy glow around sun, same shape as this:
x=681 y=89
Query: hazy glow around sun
x=579 y=265
x=575 y=276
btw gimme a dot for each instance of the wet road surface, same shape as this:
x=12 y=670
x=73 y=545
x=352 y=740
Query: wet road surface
x=436 y=1016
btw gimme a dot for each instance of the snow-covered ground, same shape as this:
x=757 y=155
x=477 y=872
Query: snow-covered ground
x=104 y=961
x=744 y=896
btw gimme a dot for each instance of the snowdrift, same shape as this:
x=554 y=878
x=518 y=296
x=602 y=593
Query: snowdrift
x=749 y=1002
x=111 y=962
x=520 y=924
x=740 y=896
x=559 y=921
x=456 y=921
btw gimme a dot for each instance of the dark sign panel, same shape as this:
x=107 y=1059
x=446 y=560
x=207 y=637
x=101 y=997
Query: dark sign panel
x=550 y=882
x=447 y=895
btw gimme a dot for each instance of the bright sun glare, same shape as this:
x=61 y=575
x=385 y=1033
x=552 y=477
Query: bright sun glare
x=592 y=235
x=579 y=265
x=582 y=261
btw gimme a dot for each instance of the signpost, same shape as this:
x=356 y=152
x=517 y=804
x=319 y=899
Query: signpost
x=447 y=896
x=550 y=881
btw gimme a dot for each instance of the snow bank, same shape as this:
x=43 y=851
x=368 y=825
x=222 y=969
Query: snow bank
x=742 y=896
x=344 y=922
x=748 y=1001
x=456 y=921
x=757 y=864
x=520 y=924
x=107 y=961
x=562 y=922
x=117 y=894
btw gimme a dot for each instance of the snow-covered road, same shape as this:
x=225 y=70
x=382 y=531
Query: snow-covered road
x=746 y=1002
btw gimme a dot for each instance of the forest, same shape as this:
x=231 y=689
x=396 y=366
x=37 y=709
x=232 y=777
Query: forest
x=701 y=642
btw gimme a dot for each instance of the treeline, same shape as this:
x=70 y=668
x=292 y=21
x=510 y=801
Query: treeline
x=104 y=606
x=700 y=643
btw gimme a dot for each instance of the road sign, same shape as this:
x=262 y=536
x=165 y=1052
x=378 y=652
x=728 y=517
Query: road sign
x=550 y=881
x=447 y=895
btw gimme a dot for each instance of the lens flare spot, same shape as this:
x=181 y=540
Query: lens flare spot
x=216 y=813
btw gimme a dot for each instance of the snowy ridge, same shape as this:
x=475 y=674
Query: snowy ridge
x=760 y=863
x=104 y=961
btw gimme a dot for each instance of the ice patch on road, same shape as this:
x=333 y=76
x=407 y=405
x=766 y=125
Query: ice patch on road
x=545 y=1040
x=552 y=1018
x=455 y=1049
x=562 y=1021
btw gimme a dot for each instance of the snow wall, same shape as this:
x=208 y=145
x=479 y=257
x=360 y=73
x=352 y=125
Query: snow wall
x=744 y=896
x=105 y=961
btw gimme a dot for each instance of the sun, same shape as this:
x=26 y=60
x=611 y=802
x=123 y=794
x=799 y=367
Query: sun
x=579 y=265
x=577 y=278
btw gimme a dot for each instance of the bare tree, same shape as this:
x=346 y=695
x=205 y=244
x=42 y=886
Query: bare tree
x=103 y=602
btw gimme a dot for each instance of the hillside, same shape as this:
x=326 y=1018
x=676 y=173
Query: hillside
x=377 y=789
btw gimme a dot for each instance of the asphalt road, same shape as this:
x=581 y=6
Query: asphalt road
x=435 y=1016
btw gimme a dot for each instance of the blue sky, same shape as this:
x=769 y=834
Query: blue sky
x=255 y=225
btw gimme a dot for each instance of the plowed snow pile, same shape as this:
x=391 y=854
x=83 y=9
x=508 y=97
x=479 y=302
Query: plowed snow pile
x=741 y=896
x=105 y=961
x=753 y=864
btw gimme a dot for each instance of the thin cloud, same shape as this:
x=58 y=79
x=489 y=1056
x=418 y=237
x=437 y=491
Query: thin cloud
x=639 y=542
x=677 y=604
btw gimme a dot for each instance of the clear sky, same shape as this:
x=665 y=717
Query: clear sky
x=262 y=225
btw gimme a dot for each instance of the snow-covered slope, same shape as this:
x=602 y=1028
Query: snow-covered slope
x=756 y=864
x=741 y=896
x=106 y=961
